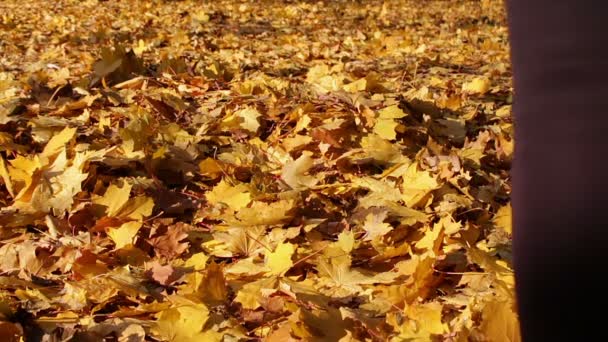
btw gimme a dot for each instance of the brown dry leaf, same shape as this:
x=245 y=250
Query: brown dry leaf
x=5 y=177
x=171 y=244
x=212 y=288
x=164 y=275
x=11 y=332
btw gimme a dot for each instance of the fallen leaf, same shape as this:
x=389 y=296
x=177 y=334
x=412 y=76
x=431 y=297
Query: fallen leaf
x=478 y=85
x=125 y=234
x=279 y=261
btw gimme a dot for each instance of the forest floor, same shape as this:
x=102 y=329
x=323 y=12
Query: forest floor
x=255 y=170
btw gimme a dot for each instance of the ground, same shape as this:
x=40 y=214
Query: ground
x=255 y=170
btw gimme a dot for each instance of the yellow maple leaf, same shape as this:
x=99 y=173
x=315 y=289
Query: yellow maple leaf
x=479 y=85
x=21 y=172
x=251 y=294
x=340 y=279
x=375 y=227
x=291 y=143
x=391 y=112
x=294 y=173
x=346 y=241
x=323 y=79
x=124 y=235
x=416 y=185
x=57 y=143
x=73 y=297
x=198 y=261
x=262 y=213
x=385 y=128
x=382 y=150
x=235 y=197
x=385 y=124
x=503 y=218
x=246 y=267
x=114 y=198
x=137 y=208
x=249 y=119
x=500 y=322
x=431 y=242
x=279 y=261
x=356 y=86
x=424 y=322
x=181 y=323
x=193 y=281
x=210 y=167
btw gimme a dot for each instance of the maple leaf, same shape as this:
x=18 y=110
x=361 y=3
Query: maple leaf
x=198 y=261
x=385 y=124
x=478 y=85
x=210 y=167
x=323 y=80
x=424 y=322
x=235 y=197
x=5 y=177
x=51 y=180
x=116 y=65
x=213 y=287
x=125 y=234
x=73 y=297
x=183 y=323
x=261 y=213
x=250 y=295
x=418 y=285
x=416 y=185
x=114 y=198
x=500 y=321
x=346 y=241
x=170 y=245
x=356 y=86
x=279 y=261
x=432 y=240
x=164 y=275
x=57 y=144
x=249 y=117
x=374 y=225
x=137 y=208
x=341 y=279
x=236 y=241
x=293 y=173
x=381 y=150
x=503 y=218
x=246 y=267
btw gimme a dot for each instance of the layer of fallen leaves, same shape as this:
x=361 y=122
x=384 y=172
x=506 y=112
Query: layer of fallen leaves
x=239 y=170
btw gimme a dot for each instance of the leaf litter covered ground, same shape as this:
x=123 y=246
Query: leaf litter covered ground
x=273 y=170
